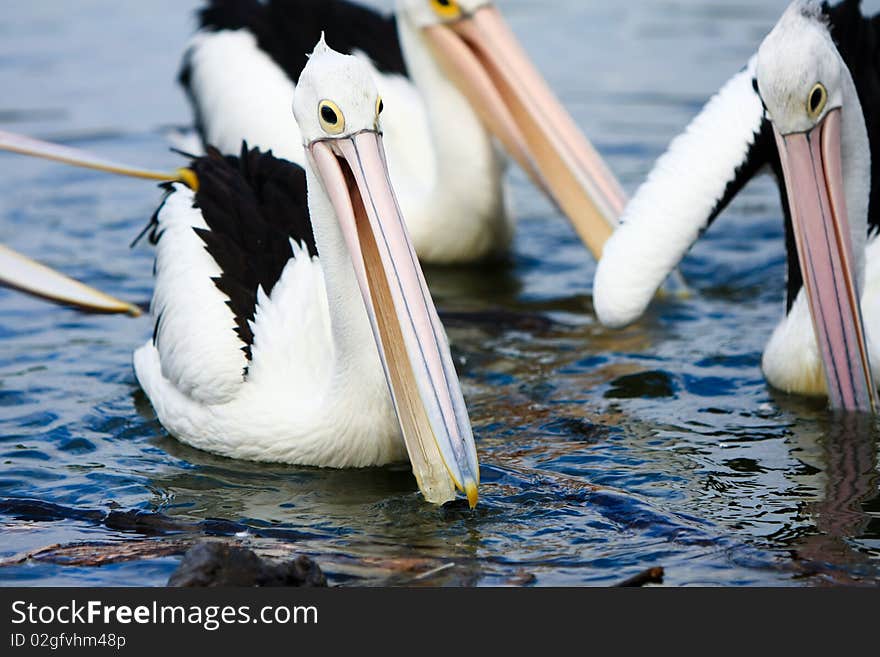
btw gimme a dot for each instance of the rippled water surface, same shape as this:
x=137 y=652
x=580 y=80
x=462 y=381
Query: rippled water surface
x=604 y=453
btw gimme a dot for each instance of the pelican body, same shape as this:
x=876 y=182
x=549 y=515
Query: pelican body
x=293 y=323
x=454 y=81
x=805 y=108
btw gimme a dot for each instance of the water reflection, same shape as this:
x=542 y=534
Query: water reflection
x=370 y=514
x=849 y=448
x=471 y=285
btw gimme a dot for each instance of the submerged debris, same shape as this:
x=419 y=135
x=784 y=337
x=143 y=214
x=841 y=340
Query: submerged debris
x=100 y=553
x=650 y=576
x=211 y=564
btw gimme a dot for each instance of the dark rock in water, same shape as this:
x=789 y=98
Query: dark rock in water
x=645 y=385
x=141 y=522
x=36 y=510
x=213 y=564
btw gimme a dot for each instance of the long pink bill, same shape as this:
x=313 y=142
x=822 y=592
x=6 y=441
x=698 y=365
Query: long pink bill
x=484 y=58
x=813 y=173
x=22 y=273
x=412 y=344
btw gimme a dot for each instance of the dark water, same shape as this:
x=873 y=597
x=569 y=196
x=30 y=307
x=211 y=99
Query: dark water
x=604 y=453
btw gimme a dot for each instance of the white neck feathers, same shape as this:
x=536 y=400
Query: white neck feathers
x=671 y=209
x=349 y=324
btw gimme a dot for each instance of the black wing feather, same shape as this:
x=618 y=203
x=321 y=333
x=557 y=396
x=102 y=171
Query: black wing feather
x=288 y=29
x=858 y=41
x=253 y=205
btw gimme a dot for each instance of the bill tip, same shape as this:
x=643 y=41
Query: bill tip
x=472 y=493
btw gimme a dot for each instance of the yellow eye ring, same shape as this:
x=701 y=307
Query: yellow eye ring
x=331 y=117
x=817 y=100
x=446 y=9
x=380 y=106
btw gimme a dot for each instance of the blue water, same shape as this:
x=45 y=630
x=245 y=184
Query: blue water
x=603 y=452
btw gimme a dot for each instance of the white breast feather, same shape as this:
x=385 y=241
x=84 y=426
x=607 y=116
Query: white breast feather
x=293 y=346
x=791 y=360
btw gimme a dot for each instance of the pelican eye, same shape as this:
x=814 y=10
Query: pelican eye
x=446 y=9
x=380 y=106
x=816 y=100
x=332 y=120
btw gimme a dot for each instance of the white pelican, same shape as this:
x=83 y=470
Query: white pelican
x=453 y=77
x=292 y=320
x=796 y=107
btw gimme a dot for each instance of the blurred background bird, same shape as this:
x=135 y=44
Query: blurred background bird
x=454 y=82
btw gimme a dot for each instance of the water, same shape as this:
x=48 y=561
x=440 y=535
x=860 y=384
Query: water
x=603 y=452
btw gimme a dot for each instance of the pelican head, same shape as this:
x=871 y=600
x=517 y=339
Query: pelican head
x=335 y=97
x=479 y=54
x=800 y=72
x=811 y=101
x=338 y=110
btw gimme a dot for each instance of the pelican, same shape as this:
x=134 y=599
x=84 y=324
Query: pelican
x=292 y=320
x=802 y=107
x=454 y=80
